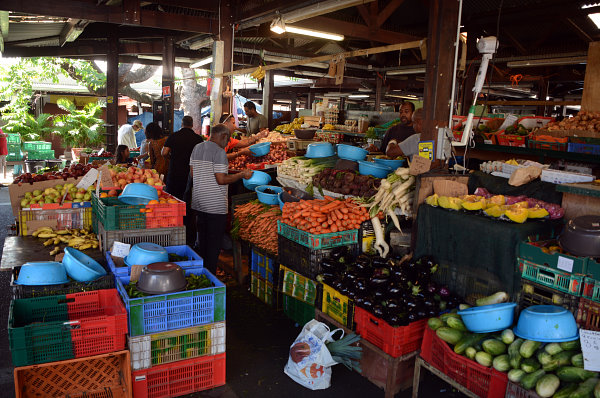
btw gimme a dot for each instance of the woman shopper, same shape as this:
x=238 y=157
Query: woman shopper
x=156 y=142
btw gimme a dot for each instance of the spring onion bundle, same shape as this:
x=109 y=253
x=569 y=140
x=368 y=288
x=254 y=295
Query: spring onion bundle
x=342 y=351
x=304 y=169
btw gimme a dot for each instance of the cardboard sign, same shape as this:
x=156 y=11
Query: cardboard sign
x=590 y=347
x=33 y=225
x=136 y=270
x=88 y=179
x=120 y=250
x=449 y=188
x=419 y=165
x=105 y=178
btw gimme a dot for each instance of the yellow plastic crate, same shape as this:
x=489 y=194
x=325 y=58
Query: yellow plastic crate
x=298 y=286
x=338 y=306
x=30 y=220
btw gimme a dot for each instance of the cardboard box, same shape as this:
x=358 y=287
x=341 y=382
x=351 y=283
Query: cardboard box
x=17 y=192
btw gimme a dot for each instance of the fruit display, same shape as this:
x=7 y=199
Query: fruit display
x=322 y=216
x=70 y=193
x=395 y=291
x=273 y=136
x=304 y=169
x=589 y=121
x=518 y=130
x=346 y=182
x=122 y=176
x=75 y=171
x=257 y=223
x=277 y=154
x=104 y=154
x=290 y=127
x=551 y=369
x=80 y=239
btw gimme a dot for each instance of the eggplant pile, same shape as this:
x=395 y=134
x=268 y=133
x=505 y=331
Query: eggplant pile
x=399 y=293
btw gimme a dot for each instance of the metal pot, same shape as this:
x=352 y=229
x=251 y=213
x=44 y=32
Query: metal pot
x=581 y=236
x=32 y=166
x=162 y=278
x=53 y=162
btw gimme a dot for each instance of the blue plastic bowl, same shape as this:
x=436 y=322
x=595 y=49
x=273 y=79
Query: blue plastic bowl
x=138 y=193
x=260 y=149
x=281 y=202
x=373 y=169
x=39 y=273
x=146 y=253
x=319 y=150
x=81 y=267
x=393 y=163
x=489 y=318
x=350 y=152
x=546 y=324
x=268 y=198
x=258 y=178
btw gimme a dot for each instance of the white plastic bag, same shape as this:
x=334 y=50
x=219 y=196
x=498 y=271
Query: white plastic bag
x=310 y=362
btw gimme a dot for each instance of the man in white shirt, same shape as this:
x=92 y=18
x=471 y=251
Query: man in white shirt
x=126 y=134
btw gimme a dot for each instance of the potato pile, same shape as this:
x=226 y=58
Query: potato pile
x=584 y=120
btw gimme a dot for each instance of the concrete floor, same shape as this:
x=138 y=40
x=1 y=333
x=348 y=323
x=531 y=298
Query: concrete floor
x=258 y=340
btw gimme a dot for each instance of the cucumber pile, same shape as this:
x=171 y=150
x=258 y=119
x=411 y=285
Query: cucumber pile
x=552 y=369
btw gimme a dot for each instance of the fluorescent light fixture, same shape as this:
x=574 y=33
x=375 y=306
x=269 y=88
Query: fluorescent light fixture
x=196 y=45
x=408 y=97
x=279 y=27
x=407 y=71
x=153 y=57
x=595 y=17
x=358 y=96
x=202 y=62
x=548 y=62
x=583 y=7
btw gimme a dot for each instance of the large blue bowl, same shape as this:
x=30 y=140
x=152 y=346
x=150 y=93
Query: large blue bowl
x=373 y=169
x=546 y=324
x=489 y=318
x=138 y=193
x=81 y=267
x=258 y=178
x=319 y=150
x=281 y=202
x=350 y=152
x=260 y=149
x=39 y=273
x=146 y=253
x=393 y=163
x=268 y=198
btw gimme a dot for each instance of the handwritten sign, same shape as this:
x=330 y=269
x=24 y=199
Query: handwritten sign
x=120 y=249
x=566 y=264
x=105 y=178
x=590 y=346
x=449 y=188
x=419 y=165
x=88 y=179
x=136 y=270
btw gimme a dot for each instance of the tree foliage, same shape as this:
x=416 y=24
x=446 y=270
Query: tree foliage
x=79 y=128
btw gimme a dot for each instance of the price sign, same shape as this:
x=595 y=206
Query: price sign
x=136 y=270
x=88 y=179
x=566 y=264
x=590 y=346
x=419 y=165
x=120 y=249
x=105 y=178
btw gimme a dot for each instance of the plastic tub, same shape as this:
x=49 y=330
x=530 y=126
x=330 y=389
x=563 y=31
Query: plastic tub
x=81 y=267
x=146 y=253
x=258 y=178
x=373 y=169
x=138 y=193
x=39 y=273
x=393 y=163
x=319 y=150
x=350 y=152
x=260 y=149
x=489 y=318
x=268 y=198
x=546 y=324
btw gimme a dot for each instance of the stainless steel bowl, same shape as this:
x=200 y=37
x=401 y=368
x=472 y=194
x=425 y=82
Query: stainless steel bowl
x=161 y=278
x=581 y=236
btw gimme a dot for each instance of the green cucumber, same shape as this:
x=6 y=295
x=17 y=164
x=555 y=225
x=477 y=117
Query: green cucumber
x=456 y=323
x=573 y=374
x=516 y=375
x=501 y=363
x=543 y=357
x=483 y=358
x=530 y=365
x=577 y=360
x=553 y=348
x=528 y=348
x=449 y=335
x=570 y=345
x=547 y=385
x=563 y=358
x=444 y=317
x=507 y=336
x=513 y=353
x=435 y=323
x=496 y=298
x=468 y=340
x=597 y=390
x=566 y=391
x=528 y=382
x=494 y=347
x=585 y=389
x=470 y=352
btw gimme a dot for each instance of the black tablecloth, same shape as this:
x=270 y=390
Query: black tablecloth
x=499 y=186
x=476 y=243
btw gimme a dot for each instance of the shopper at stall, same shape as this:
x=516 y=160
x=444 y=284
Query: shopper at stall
x=256 y=122
x=177 y=149
x=122 y=156
x=156 y=142
x=403 y=130
x=409 y=146
x=3 y=152
x=241 y=145
x=209 y=170
x=126 y=134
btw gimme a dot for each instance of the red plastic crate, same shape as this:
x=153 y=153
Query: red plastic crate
x=395 y=341
x=164 y=221
x=168 y=209
x=512 y=140
x=588 y=314
x=483 y=381
x=179 y=378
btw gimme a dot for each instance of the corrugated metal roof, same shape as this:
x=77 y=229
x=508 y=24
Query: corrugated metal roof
x=26 y=31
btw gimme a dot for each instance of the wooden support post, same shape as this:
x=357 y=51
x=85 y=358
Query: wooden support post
x=226 y=36
x=543 y=90
x=591 y=85
x=293 y=105
x=112 y=91
x=310 y=100
x=268 y=91
x=443 y=19
x=216 y=104
x=168 y=81
x=378 y=94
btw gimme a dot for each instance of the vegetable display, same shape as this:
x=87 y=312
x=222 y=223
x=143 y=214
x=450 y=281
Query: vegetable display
x=584 y=120
x=322 y=216
x=277 y=154
x=346 y=182
x=554 y=210
x=75 y=171
x=257 y=223
x=304 y=169
x=194 y=282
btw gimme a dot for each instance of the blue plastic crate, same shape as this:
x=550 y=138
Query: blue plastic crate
x=196 y=261
x=264 y=265
x=590 y=149
x=163 y=312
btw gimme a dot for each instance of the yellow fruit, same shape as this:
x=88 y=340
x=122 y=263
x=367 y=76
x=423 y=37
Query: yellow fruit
x=537 y=212
x=472 y=202
x=49 y=242
x=517 y=214
x=523 y=205
x=41 y=230
x=85 y=246
x=494 y=211
x=62 y=232
x=449 y=202
x=497 y=200
x=432 y=200
x=46 y=235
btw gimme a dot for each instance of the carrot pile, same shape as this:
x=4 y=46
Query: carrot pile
x=322 y=216
x=257 y=223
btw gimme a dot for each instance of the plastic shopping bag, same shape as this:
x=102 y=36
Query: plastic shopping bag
x=310 y=362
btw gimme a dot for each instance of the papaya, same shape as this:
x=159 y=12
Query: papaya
x=497 y=200
x=432 y=200
x=494 y=211
x=517 y=214
x=449 y=202
x=537 y=212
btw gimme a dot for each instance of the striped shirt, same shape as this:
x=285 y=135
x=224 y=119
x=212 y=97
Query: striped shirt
x=207 y=195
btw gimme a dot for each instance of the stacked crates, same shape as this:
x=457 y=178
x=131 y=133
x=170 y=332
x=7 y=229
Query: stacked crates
x=38 y=150
x=14 y=148
x=264 y=276
x=176 y=340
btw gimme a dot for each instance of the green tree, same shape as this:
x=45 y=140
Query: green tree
x=80 y=128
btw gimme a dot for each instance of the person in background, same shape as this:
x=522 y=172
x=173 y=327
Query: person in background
x=156 y=142
x=209 y=170
x=401 y=131
x=256 y=121
x=122 y=156
x=409 y=146
x=242 y=145
x=177 y=149
x=144 y=150
x=3 y=152
x=126 y=134
x=139 y=135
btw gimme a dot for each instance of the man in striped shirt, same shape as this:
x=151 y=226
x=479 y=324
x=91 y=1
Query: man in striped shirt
x=209 y=170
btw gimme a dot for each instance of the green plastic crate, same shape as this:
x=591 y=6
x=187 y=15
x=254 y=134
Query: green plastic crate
x=321 y=241
x=36 y=146
x=532 y=252
x=114 y=215
x=13 y=138
x=45 y=154
x=554 y=278
x=298 y=311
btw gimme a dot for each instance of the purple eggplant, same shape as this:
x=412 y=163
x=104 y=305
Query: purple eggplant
x=444 y=292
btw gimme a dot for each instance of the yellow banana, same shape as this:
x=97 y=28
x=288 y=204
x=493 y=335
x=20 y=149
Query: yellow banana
x=49 y=242
x=46 y=235
x=62 y=231
x=40 y=230
x=84 y=246
x=56 y=240
x=55 y=251
x=64 y=238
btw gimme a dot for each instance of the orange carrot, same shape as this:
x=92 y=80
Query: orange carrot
x=328 y=198
x=334 y=228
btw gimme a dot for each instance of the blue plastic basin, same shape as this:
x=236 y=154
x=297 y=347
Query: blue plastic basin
x=319 y=150
x=489 y=318
x=138 y=193
x=373 y=169
x=350 y=152
x=268 y=198
x=392 y=163
x=39 y=273
x=260 y=149
x=81 y=267
x=146 y=253
x=281 y=202
x=547 y=324
x=258 y=178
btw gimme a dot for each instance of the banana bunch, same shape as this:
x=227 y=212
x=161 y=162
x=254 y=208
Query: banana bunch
x=80 y=239
x=259 y=73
